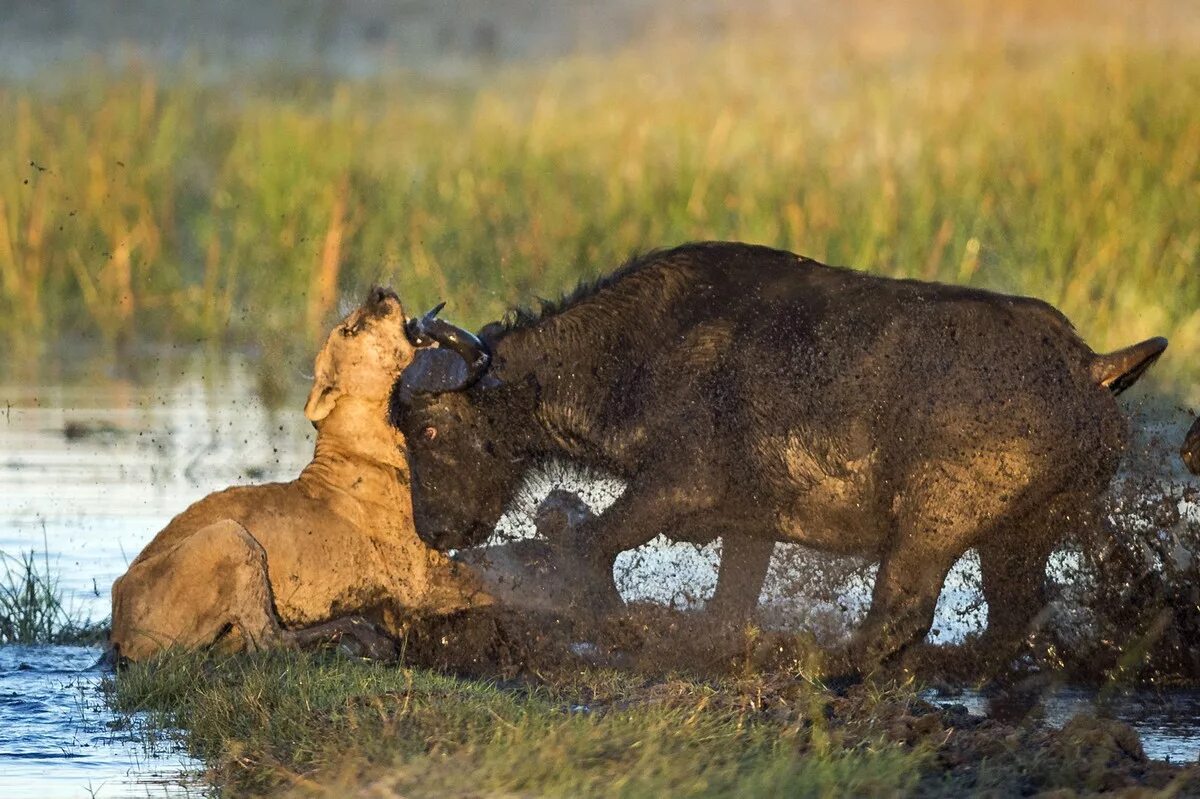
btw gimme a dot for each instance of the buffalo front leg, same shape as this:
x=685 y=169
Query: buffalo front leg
x=637 y=516
x=744 y=564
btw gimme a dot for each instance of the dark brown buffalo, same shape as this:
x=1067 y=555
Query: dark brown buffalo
x=759 y=396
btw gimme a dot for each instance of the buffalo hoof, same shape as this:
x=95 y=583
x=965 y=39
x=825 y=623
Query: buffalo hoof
x=843 y=681
x=1012 y=703
x=559 y=517
x=731 y=611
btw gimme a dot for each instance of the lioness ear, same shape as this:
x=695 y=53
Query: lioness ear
x=322 y=398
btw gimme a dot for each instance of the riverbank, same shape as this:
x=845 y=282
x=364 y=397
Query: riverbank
x=321 y=725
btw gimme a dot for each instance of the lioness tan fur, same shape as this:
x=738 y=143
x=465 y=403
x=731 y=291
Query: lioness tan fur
x=254 y=566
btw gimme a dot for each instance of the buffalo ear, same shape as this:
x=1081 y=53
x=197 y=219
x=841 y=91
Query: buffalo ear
x=322 y=398
x=489 y=332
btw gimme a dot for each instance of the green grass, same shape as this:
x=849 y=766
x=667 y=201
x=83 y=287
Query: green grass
x=140 y=206
x=324 y=724
x=319 y=725
x=32 y=609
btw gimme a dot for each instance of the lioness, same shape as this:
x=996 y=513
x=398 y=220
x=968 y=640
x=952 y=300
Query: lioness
x=285 y=563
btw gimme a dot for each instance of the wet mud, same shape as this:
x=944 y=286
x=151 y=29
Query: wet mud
x=775 y=676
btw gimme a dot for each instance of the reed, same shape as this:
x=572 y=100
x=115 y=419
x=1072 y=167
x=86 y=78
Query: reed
x=134 y=206
x=32 y=609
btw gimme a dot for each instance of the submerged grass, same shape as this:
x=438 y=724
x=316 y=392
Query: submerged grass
x=142 y=206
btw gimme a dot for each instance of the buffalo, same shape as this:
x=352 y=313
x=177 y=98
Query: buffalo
x=760 y=396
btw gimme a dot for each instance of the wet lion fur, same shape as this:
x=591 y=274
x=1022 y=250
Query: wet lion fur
x=253 y=567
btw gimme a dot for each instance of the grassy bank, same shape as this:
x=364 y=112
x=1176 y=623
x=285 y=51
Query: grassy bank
x=309 y=721
x=143 y=207
x=319 y=725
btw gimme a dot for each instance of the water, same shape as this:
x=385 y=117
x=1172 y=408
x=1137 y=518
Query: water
x=86 y=502
x=1167 y=722
x=91 y=467
x=447 y=37
x=57 y=738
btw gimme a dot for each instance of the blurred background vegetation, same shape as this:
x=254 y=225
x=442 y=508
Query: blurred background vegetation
x=194 y=181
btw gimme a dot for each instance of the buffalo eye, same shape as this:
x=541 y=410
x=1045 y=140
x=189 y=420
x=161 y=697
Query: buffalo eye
x=429 y=433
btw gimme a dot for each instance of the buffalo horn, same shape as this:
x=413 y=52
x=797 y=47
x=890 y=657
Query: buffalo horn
x=428 y=329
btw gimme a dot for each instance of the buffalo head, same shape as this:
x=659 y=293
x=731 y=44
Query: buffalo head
x=461 y=424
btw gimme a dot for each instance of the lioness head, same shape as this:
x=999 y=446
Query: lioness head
x=362 y=357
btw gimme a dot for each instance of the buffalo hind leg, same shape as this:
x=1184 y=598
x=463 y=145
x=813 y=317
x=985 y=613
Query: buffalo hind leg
x=1013 y=576
x=1012 y=566
x=744 y=564
x=950 y=507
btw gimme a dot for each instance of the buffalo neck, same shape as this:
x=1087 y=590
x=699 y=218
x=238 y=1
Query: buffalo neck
x=572 y=367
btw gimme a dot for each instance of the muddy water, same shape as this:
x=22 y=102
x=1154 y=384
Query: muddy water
x=1168 y=723
x=91 y=467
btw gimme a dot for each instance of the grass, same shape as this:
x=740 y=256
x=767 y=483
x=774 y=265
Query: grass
x=144 y=206
x=320 y=725
x=32 y=609
x=324 y=724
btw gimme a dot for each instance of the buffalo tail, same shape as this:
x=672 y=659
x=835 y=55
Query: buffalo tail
x=1119 y=370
